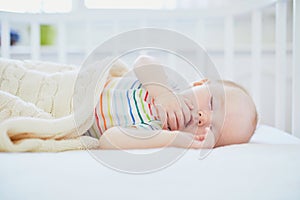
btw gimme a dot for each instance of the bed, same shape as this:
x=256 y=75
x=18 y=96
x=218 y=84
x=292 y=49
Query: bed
x=266 y=168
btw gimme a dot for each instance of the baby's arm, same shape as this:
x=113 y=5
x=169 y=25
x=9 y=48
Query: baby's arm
x=174 y=110
x=116 y=138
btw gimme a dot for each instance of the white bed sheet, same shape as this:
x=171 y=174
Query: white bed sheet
x=266 y=168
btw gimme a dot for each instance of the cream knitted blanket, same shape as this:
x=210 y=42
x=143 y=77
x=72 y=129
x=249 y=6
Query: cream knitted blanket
x=36 y=106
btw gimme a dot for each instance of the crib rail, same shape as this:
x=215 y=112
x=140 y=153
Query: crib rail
x=296 y=71
x=198 y=18
x=281 y=65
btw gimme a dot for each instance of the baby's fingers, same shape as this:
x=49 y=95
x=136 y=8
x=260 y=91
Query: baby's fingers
x=189 y=103
x=187 y=115
x=162 y=116
x=172 y=121
x=180 y=119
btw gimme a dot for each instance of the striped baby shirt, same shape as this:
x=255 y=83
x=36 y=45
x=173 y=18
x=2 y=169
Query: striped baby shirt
x=124 y=102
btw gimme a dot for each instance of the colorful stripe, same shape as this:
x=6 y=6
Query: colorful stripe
x=150 y=126
x=108 y=104
x=113 y=110
x=143 y=106
x=124 y=110
x=97 y=121
x=128 y=100
x=142 y=125
x=150 y=108
x=146 y=96
x=101 y=106
x=130 y=109
x=116 y=108
x=135 y=82
x=136 y=106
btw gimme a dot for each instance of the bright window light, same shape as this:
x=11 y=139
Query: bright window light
x=20 y=6
x=57 y=5
x=36 y=6
x=131 y=4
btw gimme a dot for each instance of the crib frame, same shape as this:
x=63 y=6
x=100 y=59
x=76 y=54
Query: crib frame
x=229 y=20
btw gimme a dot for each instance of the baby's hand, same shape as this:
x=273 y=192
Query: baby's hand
x=174 y=110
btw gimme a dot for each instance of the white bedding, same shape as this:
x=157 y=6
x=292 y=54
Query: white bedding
x=266 y=168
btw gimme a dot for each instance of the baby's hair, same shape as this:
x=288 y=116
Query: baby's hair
x=233 y=84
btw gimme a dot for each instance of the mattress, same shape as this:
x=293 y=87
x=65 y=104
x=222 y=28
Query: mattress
x=266 y=168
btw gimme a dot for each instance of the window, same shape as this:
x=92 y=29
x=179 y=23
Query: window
x=155 y=4
x=36 y=6
x=131 y=4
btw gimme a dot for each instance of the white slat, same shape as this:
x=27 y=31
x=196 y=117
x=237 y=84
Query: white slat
x=35 y=40
x=296 y=71
x=5 y=39
x=280 y=76
x=61 y=45
x=228 y=72
x=88 y=37
x=115 y=31
x=256 y=55
x=200 y=31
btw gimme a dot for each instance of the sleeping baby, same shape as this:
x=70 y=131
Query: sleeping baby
x=145 y=112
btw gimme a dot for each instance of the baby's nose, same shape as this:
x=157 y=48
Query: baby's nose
x=203 y=118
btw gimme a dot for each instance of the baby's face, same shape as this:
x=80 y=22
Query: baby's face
x=224 y=110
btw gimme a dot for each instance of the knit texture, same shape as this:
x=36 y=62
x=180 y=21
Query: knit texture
x=36 y=106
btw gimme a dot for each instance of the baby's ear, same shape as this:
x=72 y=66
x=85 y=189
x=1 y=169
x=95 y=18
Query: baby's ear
x=200 y=82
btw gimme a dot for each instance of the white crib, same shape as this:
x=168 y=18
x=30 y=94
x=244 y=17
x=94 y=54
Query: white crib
x=270 y=71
